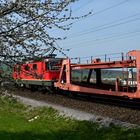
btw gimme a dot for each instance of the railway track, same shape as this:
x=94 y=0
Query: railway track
x=105 y=107
x=120 y=102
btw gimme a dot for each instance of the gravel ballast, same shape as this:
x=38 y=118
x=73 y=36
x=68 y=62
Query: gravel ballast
x=84 y=110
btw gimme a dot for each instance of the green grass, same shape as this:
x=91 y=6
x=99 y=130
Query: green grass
x=15 y=125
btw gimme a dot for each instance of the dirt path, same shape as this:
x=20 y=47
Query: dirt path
x=75 y=114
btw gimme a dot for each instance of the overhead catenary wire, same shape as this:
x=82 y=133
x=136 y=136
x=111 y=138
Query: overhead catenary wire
x=110 y=36
x=113 y=24
x=108 y=8
x=123 y=36
x=82 y=6
x=106 y=26
x=61 y=50
x=104 y=10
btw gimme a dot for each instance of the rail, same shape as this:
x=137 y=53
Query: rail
x=104 y=58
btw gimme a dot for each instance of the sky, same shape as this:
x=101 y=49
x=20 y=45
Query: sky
x=113 y=27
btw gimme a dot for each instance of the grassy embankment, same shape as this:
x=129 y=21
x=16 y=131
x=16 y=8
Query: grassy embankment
x=18 y=122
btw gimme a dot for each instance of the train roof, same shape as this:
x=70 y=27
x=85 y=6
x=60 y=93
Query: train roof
x=46 y=59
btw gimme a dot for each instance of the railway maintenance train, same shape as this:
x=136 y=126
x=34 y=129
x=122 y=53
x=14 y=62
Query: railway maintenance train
x=58 y=73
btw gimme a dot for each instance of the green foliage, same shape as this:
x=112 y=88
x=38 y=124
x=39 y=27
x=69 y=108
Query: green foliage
x=18 y=122
x=5 y=70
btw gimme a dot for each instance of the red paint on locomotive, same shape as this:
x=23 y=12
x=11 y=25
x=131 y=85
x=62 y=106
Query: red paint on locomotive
x=46 y=70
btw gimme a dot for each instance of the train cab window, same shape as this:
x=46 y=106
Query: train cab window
x=34 y=66
x=47 y=66
x=26 y=67
x=51 y=65
x=54 y=65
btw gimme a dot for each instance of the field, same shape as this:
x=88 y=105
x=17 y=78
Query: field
x=19 y=122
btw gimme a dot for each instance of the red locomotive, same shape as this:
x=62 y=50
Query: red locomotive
x=36 y=73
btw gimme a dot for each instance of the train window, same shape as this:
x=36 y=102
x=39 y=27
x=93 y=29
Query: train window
x=52 y=65
x=34 y=66
x=47 y=66
x=26 y=67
